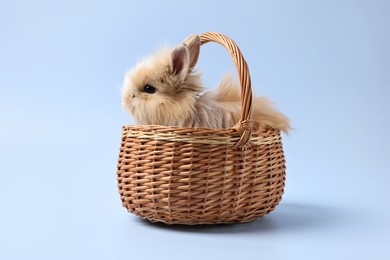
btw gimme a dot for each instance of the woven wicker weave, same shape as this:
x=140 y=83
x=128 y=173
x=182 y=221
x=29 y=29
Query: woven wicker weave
x=182 y=175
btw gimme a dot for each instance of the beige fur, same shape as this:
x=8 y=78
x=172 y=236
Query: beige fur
x=180 y=99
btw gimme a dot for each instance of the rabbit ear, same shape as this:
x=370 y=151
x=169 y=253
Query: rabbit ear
x=193 y=44
x=180 y=62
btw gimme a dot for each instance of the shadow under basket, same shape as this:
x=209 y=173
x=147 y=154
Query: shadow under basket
x=180 y=175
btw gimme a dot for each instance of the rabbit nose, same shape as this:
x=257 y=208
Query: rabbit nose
x=132 y=95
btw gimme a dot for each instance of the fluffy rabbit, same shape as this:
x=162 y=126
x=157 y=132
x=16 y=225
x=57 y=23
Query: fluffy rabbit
x=163 y=89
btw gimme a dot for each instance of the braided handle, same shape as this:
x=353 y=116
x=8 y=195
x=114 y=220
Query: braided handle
x=244 y=126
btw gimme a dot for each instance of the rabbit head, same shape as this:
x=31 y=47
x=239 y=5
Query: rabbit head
x=163 y=88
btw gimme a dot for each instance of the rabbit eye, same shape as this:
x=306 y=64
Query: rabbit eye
x=149 y=89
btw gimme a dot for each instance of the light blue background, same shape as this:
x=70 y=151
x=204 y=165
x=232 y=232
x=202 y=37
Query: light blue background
x=325 y=63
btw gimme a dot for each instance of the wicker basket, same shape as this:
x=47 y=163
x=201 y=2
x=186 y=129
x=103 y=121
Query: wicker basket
x=182 y=175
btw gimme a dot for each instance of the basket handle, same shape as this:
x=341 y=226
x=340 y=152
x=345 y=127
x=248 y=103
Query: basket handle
x=245 y=125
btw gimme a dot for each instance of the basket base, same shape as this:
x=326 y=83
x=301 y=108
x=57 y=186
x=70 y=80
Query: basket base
x=199 y=218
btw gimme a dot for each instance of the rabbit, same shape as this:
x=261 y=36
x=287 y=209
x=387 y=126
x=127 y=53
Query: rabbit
x=164 y=89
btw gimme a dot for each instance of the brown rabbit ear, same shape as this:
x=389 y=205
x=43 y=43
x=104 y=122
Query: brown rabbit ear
x=180 y=62
x=193 y=44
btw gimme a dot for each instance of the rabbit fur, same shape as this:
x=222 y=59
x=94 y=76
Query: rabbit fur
x=164 y=89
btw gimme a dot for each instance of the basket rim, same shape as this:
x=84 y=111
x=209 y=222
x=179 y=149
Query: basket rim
x=193 y=135
x=227 y=129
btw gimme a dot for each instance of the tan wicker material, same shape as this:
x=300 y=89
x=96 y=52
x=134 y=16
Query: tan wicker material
x=182 y=175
